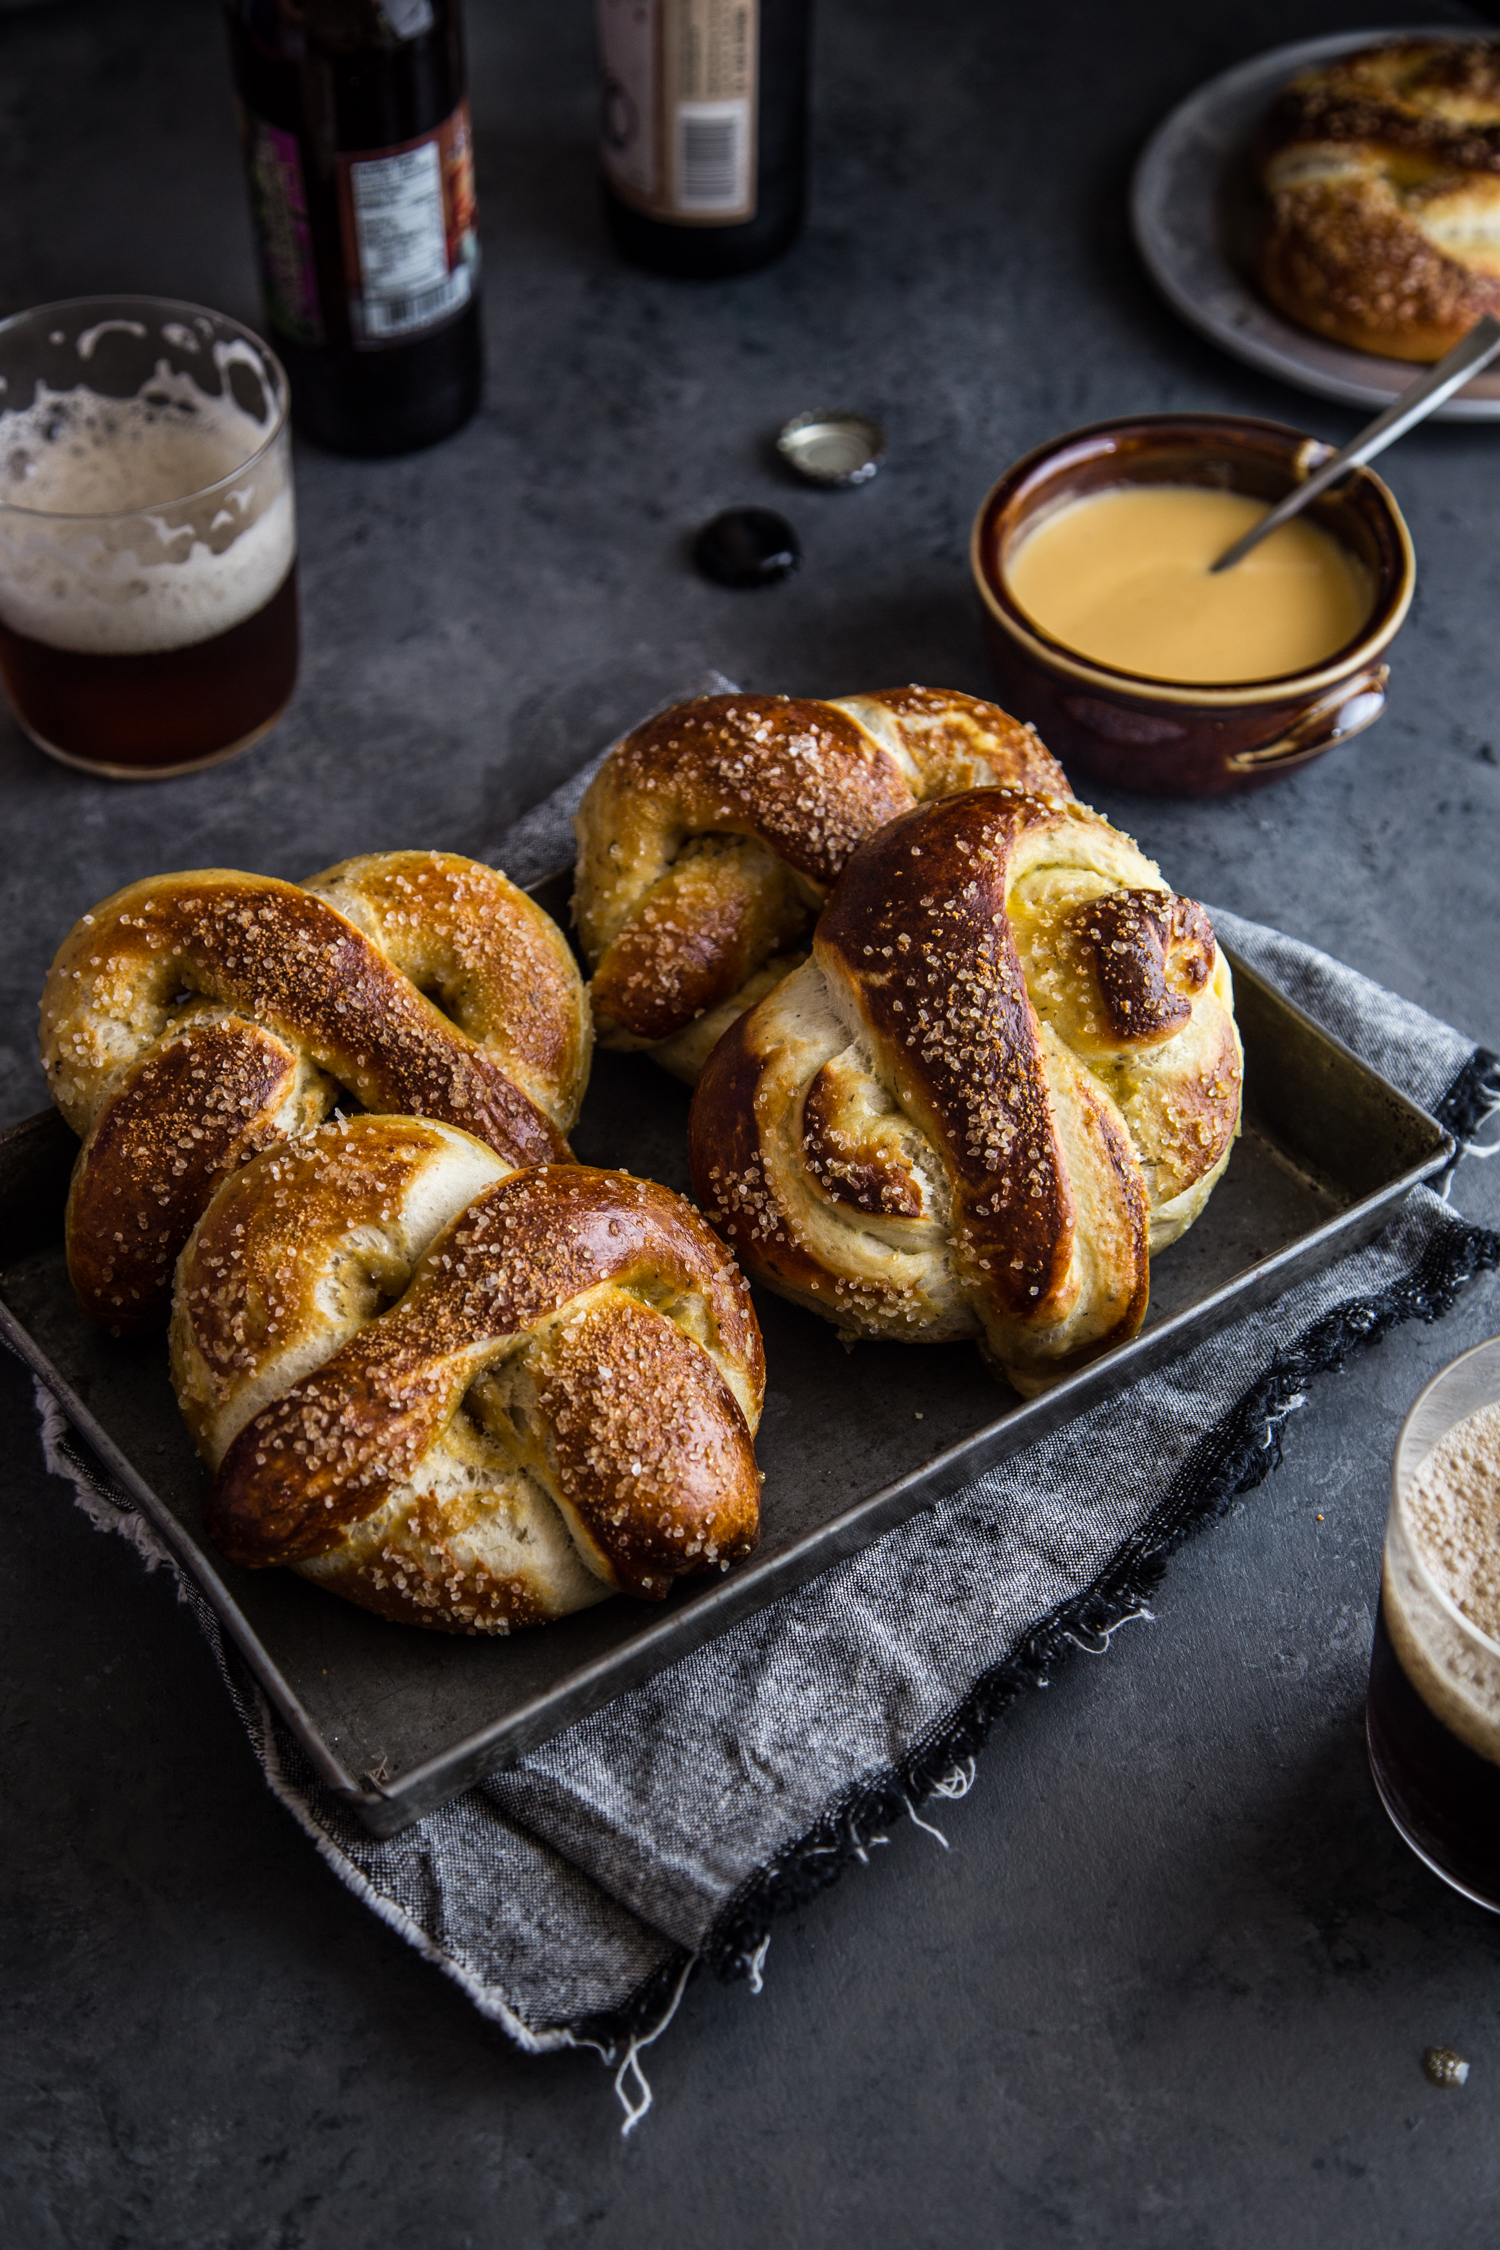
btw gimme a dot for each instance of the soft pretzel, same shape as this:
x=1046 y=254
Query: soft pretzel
x=191 y=1020
x=1381 y=173
x=460 y=1395
x=709 y=838
x=1007 y=1073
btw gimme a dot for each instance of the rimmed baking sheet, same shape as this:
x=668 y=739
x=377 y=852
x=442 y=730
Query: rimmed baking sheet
x=1329 y=1149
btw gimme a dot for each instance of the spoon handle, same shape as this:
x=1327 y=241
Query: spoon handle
x=1418 y=400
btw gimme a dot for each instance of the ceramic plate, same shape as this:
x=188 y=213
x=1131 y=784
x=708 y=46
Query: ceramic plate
x=1191 y=210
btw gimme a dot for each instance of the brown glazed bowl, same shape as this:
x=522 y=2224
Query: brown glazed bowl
x=1158 y=735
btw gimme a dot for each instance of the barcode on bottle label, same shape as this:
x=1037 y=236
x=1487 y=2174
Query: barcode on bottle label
x=411 y=233
x=713 y=153
x=678 y=122
x=398 y=316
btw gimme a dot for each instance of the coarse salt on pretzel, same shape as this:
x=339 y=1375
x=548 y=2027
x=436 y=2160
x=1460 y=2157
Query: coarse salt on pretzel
x=460 y=1395
x=1380 y=180
x=193 y=1019
x=1007 y=1074
x=710 y=837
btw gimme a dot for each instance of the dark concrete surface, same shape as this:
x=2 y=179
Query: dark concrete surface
x=1171 y=1984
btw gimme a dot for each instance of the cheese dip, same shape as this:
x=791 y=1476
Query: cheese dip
x=1123 y=579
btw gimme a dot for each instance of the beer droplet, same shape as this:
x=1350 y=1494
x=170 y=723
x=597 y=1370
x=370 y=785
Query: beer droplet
x=1444 y=2067
x=747 y=547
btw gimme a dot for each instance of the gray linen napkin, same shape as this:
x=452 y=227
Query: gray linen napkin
x=571 y=1895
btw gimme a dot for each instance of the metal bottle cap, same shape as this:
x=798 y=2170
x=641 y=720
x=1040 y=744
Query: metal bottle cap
x=832 y=447
x=747 y=547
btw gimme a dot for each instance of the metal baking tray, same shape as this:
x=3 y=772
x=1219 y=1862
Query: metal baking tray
x=1328 y=1151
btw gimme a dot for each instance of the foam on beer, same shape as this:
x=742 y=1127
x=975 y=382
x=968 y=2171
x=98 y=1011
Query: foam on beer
x=1451 y=1517
x=158 y=579
x=1454 y=1511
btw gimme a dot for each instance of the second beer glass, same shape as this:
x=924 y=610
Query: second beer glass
x=1433 y=1716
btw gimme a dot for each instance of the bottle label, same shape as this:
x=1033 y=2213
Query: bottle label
x=680 y=94
x=411 y=233
x=283 y=231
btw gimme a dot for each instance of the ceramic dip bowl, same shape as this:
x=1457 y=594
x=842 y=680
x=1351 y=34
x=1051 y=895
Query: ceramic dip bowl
x=1162 y=736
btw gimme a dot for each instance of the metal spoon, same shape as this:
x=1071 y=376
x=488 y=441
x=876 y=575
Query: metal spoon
x=1415 y=403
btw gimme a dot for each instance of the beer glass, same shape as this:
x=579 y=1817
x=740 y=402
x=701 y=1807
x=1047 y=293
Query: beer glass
x=1432 y=1720
x=148 y=591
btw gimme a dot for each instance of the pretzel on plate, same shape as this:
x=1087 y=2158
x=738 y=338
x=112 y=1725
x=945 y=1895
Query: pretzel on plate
x=461 y=1395
x=710 y=837
x=1008 y=1072
x=1380 y=172
x=191 y=1020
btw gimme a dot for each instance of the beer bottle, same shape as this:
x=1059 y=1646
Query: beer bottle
x=359 y=159
x=703 y=137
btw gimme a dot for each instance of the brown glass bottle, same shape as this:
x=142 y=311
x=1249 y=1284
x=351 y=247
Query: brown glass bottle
x=359 y=162
x=703 y=138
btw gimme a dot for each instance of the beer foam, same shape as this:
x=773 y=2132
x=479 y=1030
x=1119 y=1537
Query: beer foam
x=161 y=570
x=1453 y=1509
x=1445 y=1535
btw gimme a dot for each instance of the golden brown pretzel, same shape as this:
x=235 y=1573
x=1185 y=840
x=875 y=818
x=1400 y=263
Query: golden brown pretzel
x=193 y=1019
x=1381 y=173
x=1008 y=1072
x=463 y=1396
x=709 y=839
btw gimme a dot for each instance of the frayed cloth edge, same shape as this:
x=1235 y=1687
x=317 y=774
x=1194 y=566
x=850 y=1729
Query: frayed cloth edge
x=1247 y=1441
x=482 y=1996
x=1472 y=1099
x=110 y=1509
x=1234 y=1456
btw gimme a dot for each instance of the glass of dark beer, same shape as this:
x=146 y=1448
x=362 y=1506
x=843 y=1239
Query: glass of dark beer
x=148 y=539
x=1433 y=1715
